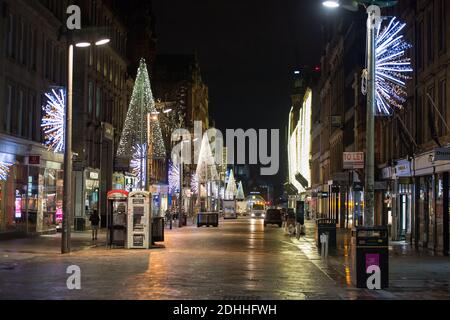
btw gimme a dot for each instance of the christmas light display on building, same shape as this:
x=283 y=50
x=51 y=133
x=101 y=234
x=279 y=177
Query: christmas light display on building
x=138 y=162
x=4 y=170
x=392 y=67
x=53 y=119
x=174 y=178
x=194 y=183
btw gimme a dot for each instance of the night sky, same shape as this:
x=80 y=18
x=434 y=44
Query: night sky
x=248 y=50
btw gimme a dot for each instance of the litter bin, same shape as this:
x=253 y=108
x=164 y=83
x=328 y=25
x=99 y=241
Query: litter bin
x=208 y=219
x=327 y=226
x=158 y=229
x=372 y=249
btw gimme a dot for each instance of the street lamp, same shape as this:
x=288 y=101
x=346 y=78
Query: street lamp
x=67 y=193
x=373 y=8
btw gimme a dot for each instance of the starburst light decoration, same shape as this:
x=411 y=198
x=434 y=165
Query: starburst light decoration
x=392 y=67
x=53 y=120
x=4 y=170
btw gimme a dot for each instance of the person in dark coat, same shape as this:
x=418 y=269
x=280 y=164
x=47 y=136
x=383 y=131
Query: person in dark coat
x=95 y=221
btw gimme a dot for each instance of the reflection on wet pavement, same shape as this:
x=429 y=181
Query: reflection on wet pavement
x=239 y=260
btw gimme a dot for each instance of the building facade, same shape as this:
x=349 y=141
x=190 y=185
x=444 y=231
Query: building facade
x=32 y=61
x=411 y=146
x=416 y=204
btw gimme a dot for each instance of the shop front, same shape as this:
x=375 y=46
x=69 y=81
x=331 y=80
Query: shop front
x=87 y=196
x=159 y=199
x=31 y=188
x=431 y=219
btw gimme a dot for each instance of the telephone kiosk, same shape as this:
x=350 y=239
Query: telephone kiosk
x=117 y=218
x=138 y=220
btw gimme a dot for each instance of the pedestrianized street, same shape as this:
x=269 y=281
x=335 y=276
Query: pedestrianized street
x=239 y=260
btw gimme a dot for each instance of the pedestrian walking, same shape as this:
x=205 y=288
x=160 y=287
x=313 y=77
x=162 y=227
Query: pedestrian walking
x=95 y=221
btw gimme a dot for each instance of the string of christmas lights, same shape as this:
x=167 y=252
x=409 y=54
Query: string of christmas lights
x=139 y=161
x=136 y=125
x=4 y=170
x=194 y=183
x=174 y=178
x=53 y=120
x=392 y=67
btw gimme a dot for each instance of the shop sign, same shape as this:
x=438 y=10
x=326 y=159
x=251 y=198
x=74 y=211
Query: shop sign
x=322 y=194
x=93 y=175
x=108 y=131
x=403 y=169
x=442 y=154
x=34 y=160
x=353 y=160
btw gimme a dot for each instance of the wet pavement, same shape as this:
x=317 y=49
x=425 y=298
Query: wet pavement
x=237 y=261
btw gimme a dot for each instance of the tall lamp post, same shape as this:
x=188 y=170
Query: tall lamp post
x=373 y=8
x=68 y=154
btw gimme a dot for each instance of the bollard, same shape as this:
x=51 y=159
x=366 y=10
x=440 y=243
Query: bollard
x=324 y=242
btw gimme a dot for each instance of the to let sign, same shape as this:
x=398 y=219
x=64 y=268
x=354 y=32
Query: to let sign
x=353 y=160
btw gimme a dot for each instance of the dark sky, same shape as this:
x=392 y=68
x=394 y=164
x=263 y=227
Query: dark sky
x=248 y=50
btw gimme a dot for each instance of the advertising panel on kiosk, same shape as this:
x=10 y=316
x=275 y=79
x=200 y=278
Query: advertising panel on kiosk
x=138 y=220
x=117 y=218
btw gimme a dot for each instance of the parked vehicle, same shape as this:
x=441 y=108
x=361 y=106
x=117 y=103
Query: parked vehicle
x=273 y=216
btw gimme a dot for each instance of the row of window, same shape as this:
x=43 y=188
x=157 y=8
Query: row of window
x=104 y=64
x=98 y=18
x=431 y=28
x=22 y=114
x=30 y=48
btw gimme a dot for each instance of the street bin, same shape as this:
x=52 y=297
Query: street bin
x=328 y=227
x=208 y=219
x=158 y=229
x=372 y=249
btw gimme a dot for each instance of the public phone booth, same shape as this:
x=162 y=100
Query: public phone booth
x=138 y=220
x=117 y=218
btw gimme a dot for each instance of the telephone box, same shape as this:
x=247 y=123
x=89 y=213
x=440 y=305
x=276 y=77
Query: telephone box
x=117 y=218
x=138 y=220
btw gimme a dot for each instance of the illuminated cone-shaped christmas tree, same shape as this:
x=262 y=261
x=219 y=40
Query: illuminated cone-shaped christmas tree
x=240 y=192
x=230 y=192
x=206 y=166
x=133 y=143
